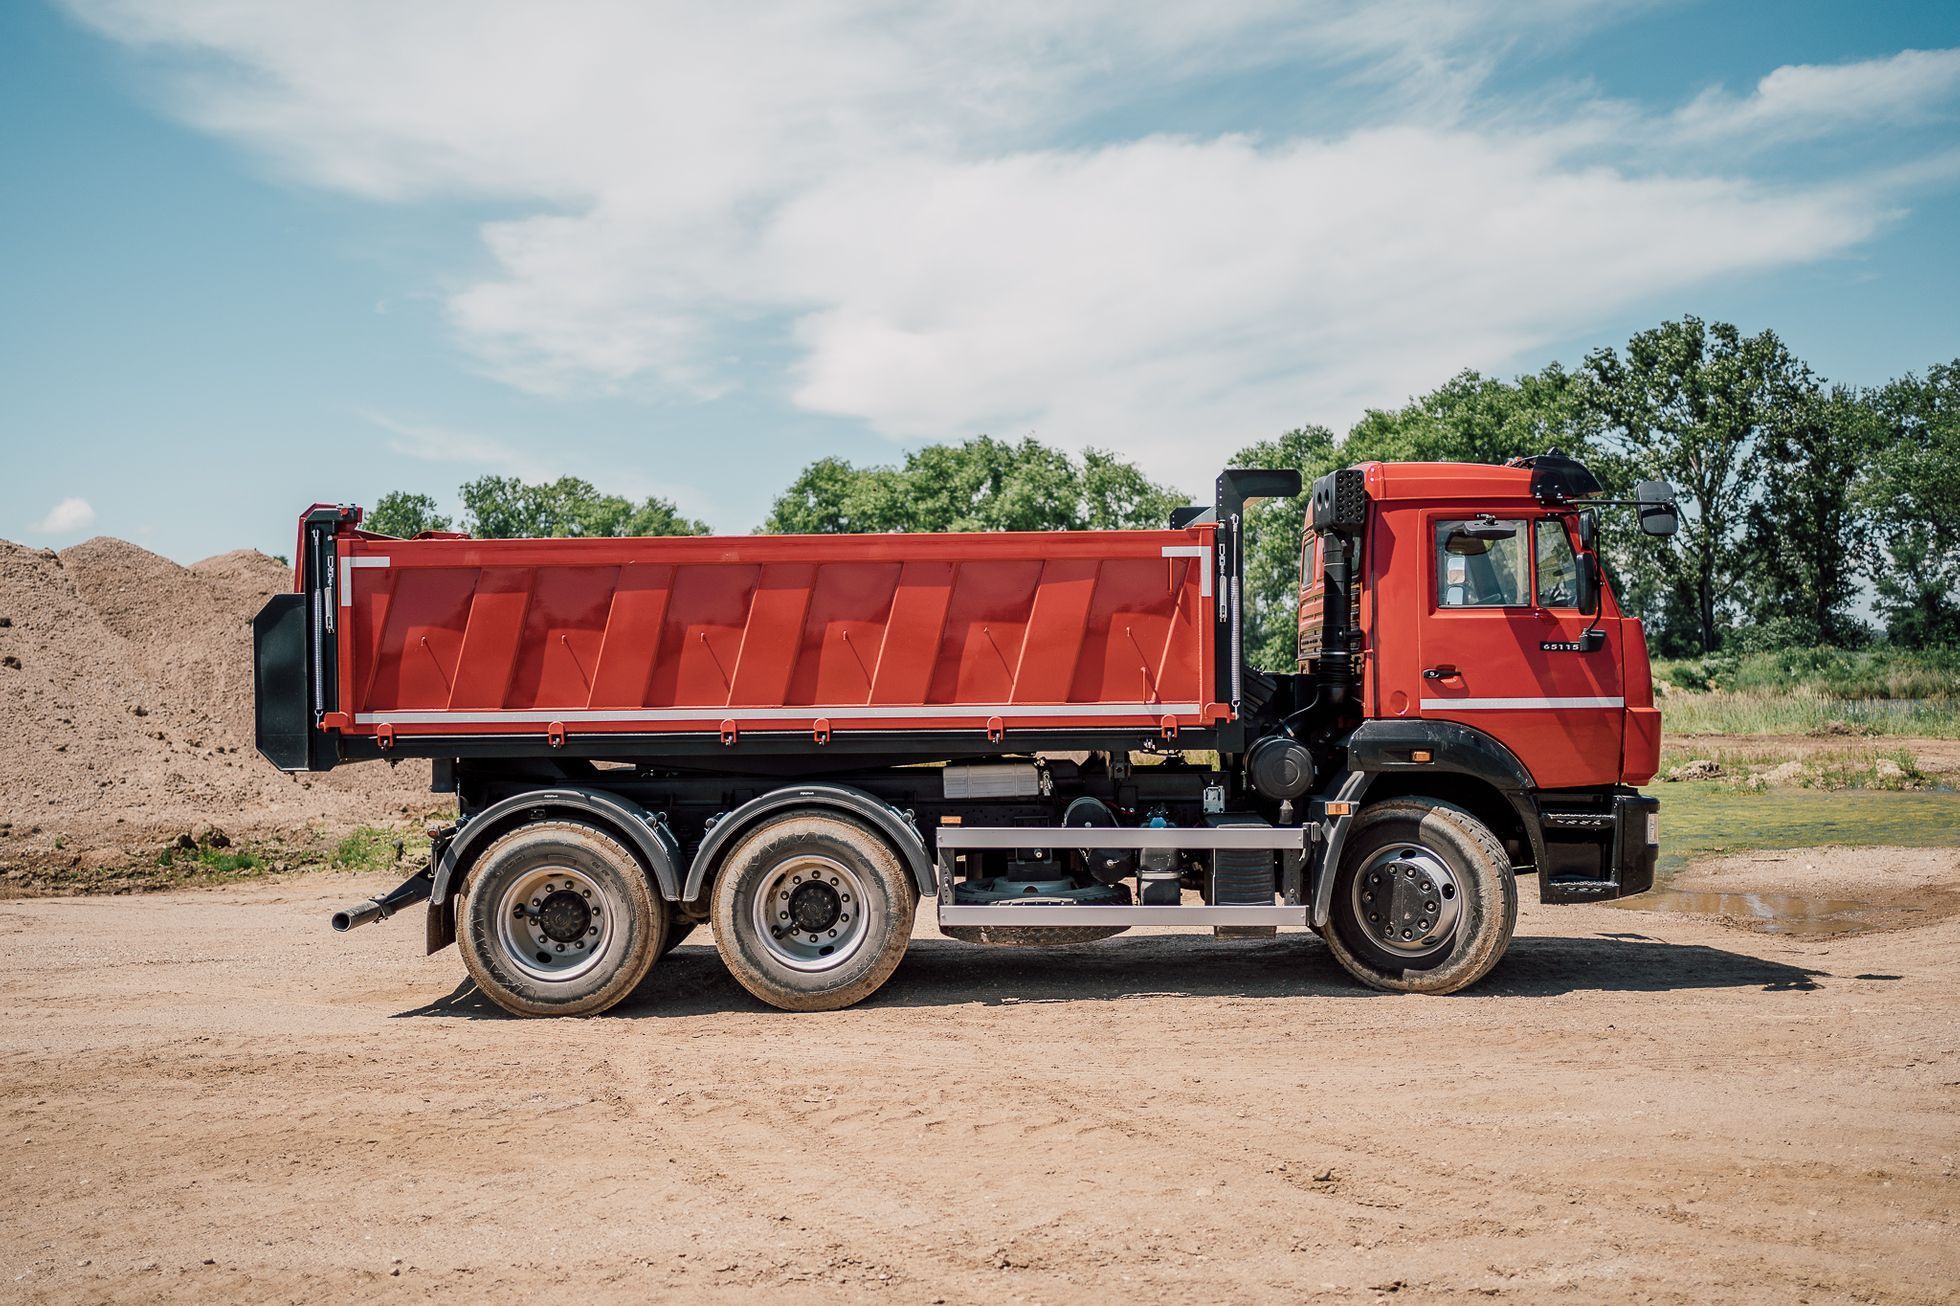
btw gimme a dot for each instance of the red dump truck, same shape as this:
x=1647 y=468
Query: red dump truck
x=1054 y=735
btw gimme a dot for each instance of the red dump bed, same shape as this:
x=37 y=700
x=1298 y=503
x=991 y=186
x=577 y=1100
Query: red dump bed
x=750 y=633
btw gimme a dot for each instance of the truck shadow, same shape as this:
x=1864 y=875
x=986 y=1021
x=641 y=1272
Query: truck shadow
x=942 y=973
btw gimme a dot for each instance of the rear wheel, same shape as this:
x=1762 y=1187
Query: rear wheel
x=558 y=919
x=812 y=912
x=1424 y=899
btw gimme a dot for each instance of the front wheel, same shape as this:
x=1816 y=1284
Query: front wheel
x=1424 y=898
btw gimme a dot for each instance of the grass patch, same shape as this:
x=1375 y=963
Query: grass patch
x=372 y=849
x=204 y=860
x=1701 y=819
x=1765 y=767
x=212 y=859
x=1828 y=672
x=1807 y=712
x=1823 y=691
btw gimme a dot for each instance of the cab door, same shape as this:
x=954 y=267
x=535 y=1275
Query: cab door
x=1505 y=649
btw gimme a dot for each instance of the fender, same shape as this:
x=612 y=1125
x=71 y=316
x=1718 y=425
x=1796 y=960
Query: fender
x=882 y=817
x=645 y=833
x=1380 y=747
x=1386 y=745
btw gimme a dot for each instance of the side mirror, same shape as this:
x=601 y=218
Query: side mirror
x=1586 y=584
x=1588 y=524
x=1658 y=514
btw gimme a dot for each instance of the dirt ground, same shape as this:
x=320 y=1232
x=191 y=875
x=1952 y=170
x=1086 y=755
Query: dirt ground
x=209 y=1095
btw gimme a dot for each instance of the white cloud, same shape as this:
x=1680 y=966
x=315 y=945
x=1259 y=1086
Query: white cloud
x=66 y=518
x=429 y=443
x=931 y=205
x=1118 y=293
x=1803 y=101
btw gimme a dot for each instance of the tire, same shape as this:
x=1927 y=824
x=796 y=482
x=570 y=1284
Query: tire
x=557 y=918
x=1447 y=868
x=841 y=883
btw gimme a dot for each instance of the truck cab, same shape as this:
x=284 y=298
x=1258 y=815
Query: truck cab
x=1479 y=620
x=1475 y=611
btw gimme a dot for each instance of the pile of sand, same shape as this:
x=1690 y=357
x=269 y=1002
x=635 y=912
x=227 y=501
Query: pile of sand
x=126 y=709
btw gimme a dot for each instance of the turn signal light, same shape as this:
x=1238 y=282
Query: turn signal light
x=1420 y=755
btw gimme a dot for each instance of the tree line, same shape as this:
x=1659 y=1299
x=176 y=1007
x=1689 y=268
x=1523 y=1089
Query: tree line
x=1803 y=503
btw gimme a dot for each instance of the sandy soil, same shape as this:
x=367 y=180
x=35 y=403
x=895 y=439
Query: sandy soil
x=210 y=1096
x=126 y=707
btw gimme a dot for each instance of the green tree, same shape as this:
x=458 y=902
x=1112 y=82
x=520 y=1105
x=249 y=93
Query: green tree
x=402 y=514
x=502 y=508
x=1806 y=529
x=831 y=497
x=1688 y=402
x=1913 y=494
x=983 y=484
x=1472 y=418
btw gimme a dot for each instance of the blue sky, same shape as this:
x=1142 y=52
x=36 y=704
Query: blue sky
x=255 y=257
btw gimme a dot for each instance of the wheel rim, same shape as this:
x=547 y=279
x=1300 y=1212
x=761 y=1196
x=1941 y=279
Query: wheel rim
x=811 y=912
x=553 y=922
x=1406 y=899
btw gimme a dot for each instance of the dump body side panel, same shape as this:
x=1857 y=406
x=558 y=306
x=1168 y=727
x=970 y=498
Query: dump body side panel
x=825 y=633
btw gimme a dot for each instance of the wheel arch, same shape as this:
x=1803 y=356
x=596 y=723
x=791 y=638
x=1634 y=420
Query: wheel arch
x=645 y=835
x=1466 y=767
x=727 y=830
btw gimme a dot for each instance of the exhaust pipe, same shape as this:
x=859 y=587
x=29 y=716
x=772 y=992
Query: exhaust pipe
x=409 y=892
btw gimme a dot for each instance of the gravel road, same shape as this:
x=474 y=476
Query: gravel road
x=210 y=1096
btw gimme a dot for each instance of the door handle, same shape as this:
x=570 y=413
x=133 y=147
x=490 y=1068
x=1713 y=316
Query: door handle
x=1443 y=672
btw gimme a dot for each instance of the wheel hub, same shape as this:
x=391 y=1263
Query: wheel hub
x=1407 y=900
x=814 y=906
x=810 y=912
x=553 y=922
x=564 y=916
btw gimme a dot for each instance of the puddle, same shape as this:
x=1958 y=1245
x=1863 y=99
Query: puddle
x=1701 y=820
x=1765 y=913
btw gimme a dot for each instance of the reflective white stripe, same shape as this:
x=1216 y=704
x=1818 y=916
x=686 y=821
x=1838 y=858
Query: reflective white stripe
x=1193 y=551
x=835 y=715
x=1513 y=704
x=347 y=566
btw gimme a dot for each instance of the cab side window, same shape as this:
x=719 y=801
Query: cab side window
x=1482 y=563
x=1558 y=569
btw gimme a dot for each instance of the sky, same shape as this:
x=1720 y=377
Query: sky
x=254 y=257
